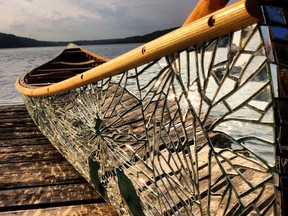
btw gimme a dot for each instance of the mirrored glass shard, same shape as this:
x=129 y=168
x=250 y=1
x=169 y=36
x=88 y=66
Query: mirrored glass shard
x=225 y=89
x=265 y=32
x=275 y=14
x=246 y=34
x=240 y=114
x=262 y=99
x=283 y=139
x=274 y=79
x=282 y=111
x=239 y=64
x=283 y=80
x=281 y=53
x=255 y=70
x=219 y=73
x=267 y=116
x=212 y=85
x=284 y=166
x=221 y=52
x=190 y=132
x=254 y=42
x=279 y=33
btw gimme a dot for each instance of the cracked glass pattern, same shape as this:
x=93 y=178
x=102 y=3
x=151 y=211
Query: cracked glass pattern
x=192 y=133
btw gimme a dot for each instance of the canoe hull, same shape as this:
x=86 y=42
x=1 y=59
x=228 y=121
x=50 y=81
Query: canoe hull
x=192 y=132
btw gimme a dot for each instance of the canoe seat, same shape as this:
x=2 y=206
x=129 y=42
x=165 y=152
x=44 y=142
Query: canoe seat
x=58 y=70
x=54 y=75
x=90 y=62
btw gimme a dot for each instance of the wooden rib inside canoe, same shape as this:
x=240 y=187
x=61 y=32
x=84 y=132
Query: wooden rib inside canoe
x=71 y=61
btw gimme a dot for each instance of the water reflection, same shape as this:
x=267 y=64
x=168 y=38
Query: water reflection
x=15 y=62
x=197 y=121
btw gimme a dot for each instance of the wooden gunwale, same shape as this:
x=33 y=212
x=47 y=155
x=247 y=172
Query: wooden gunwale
x=244 y=13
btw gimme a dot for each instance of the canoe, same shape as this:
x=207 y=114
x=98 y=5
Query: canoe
x=192 y=123
x=72 y=61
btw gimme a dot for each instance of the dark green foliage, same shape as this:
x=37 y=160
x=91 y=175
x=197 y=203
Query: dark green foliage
x=12 y=41
x=129 y=194
x=135 y=39
x=94 y=167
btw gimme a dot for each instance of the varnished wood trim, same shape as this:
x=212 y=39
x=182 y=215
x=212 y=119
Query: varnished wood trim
x=203 y=8
x=228 y=19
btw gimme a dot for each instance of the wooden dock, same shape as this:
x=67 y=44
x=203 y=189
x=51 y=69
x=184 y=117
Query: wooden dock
x=34 y=178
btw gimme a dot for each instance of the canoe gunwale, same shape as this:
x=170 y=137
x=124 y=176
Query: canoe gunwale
x=186 y=36
x=68 y=68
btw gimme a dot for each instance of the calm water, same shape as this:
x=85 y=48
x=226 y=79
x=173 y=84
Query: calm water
x=15 y=62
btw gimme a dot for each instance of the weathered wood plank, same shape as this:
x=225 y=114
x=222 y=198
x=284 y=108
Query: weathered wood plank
x=12 y=126
x=10 y=108
x=35 y=179
x=81 y=210
x=53 y=177
x=10 y=117
x=37 y=173
x=16 y=123
x=24 y=141
x=49 y=194
x=15 y=134
x=30 y=153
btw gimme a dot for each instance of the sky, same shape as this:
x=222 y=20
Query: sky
x=68 y=20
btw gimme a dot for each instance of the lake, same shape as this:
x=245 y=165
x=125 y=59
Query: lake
x=15 y=62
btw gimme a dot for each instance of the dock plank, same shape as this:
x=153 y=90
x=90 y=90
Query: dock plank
x=29 y=153
x=35 y=178
x=14 y=198
x=24 y=142
x=37 y=173
x=83 y=210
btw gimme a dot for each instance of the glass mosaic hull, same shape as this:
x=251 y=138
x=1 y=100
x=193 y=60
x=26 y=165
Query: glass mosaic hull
x=193 y=133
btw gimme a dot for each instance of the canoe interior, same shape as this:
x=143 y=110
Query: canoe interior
x=71 y=62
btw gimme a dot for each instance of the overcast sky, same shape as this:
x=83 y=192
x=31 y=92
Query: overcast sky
x=68 y=20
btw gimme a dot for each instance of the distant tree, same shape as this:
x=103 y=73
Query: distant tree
x=12 y=41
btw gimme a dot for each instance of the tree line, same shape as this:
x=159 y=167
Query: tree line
x=13 y=41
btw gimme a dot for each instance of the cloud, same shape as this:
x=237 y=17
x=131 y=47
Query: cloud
x=90 y=19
